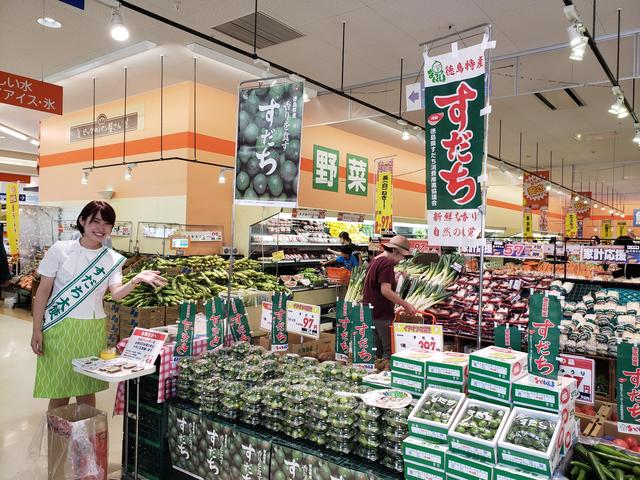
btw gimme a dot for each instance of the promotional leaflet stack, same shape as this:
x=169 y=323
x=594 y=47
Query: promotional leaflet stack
x=493 y=371
x=414 y=370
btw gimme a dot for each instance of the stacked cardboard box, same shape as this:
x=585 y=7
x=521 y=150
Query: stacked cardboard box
x=147 y=317
x=493 y=371
x=448 y=371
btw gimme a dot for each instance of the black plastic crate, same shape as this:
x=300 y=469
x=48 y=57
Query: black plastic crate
x=154 y=462
x=153 y=419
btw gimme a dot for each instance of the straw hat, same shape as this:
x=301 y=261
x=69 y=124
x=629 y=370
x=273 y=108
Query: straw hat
x=400 y=242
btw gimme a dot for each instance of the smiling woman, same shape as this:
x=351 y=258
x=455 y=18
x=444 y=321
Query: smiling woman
x=68 y=318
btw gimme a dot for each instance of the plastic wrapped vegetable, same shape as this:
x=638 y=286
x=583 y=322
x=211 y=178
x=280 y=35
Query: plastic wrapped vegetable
x=438 y=407
x=530 y=432
x=480 y=422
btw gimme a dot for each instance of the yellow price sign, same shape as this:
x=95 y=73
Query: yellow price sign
x=622 y=228
x=606 y=229
x=13 y=218
x=527 y=223
x=384 y=197
x=277 y=256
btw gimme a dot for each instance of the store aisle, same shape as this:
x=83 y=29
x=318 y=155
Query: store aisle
x=20 y=414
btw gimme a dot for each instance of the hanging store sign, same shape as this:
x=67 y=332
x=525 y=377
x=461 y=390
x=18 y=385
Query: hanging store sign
x=628 y=388
x=30 y=93
x=383 y=221
x=414 y=96
x=474 y=251
x=13 y=218
x=603 y=253
x=357 y=175
x=571 y=225
x=308 y=213
x=422 y=246
x=350 y=217
x=454 y=98
x=527 y=224
x=543 y=221
x=105 y=126
x=507 y=336
x=517 y=250
x=606 y=229
x=215 y=313
x=279 y=335
x=326 y=166
x=543 y=335
x=303 y=319
x=238 y=321
x=582 y=207
x=203 y=235
x=584 y=371
x=344 y=330
x=268 y=144
x=363 y=349
x=621 y=229
x=636 y=217
x=534 y=193
x=186 y=330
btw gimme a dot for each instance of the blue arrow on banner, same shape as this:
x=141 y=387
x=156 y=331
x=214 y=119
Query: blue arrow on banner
x=414 y=95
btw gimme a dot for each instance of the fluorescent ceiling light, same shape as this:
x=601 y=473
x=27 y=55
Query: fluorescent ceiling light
x=35 y=142
x=225 y=60
x=100 y=61
x=636 y=138
x=49 y=22
x=18 y=162
x=13 y=133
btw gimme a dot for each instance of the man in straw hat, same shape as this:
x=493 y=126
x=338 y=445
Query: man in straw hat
x=380 y=291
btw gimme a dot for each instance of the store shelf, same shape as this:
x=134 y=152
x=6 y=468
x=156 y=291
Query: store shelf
x=294 y=244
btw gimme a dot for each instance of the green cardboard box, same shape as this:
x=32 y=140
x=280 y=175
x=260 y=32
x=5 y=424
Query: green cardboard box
x=468 y=445
x=430 y=430
x=412 y=361
x=445 y=385
x=415 y=471
x=448 y=366
x=461 y=467
x=543 y=463
x=500 y=472
x=408 y=383
x=489 y=388
x=539 y=393
x=499 y=363
x=419 y=451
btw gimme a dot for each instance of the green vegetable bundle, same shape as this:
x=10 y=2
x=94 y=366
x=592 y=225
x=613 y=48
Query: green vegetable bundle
x=355 y=290
x=603 y=462
x=480 y=422
x=530 y=432
x=438 y=407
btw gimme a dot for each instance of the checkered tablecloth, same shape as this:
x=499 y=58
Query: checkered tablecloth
x=168 y=369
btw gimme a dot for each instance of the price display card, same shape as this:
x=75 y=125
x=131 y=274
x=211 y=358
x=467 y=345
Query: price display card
x=518 y=250
x=303 y=319
x=583 y=370
x=409 y=335
x=265 y=316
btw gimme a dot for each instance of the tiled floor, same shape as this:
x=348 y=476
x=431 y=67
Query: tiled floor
x=21 y=415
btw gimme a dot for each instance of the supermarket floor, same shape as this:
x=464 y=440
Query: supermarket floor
x=21 y=415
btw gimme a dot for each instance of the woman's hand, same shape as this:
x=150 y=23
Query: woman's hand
x=151 y=278
x=36 y=343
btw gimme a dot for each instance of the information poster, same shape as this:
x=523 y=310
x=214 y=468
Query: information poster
x=534 y=193
x=215 y=313
x=144 y=345
x=543 y=334
x=383 y=221
x=363 y=344
x=454 y=99
x=584 y=371
x=186 y=330
x=279 y=335
x=413 y=335
x=343 y=330
x=571 y=224
x=268 y=144
x=508 y=336
x=265 y=316
x=303 y=319
x=13 y=219
x=582 y=206
x=628 y=388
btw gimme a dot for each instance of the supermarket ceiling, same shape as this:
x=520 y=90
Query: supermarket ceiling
x=531 y=40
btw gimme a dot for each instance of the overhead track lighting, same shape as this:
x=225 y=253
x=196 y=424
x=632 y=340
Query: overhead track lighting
x=577 y=39
x=118 y=30
x=618 y=107
x=128 y=174
x=309 y=93
x=636 y=137
x=49 y=22
x=85 y=177
x=548 y=187
x=405 y=134
x=221 y=178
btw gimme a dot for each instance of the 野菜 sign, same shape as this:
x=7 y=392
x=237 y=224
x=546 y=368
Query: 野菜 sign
x=326 y=165
x=268 y=143
x=628 y=388
x=357 y=175
x=30 y=93
x=384 y=196
x=543 y=335
x=454 y=98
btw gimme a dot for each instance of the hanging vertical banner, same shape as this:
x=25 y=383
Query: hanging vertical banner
x=343 y=330
x=384 y=196
x=606 y=229
x=326 y=165
x=571 y=224
x=13 y=218
x=363 y=344
x=268 y=143
x=621 y=228
x=454 y=99
x=527 y=224
x=506 y=336
x=534 y=193
x=357 y=175
x=628 y=388
x=582 y=206
x=215 y=313
x=186 y=330
x=238 y=321
x=279 y=335
x=543 y=221
x=543 y=335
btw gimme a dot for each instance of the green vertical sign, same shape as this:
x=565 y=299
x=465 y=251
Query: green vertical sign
x=357 y=175
x=186 y=330
x=238 y=321
x=344 y=330
x=326 y=165
x=215 y=313
x=363 y=344
x=543 y=335
x=279 y=334
x=507 y=337
x=454 y=135
x=628 y=388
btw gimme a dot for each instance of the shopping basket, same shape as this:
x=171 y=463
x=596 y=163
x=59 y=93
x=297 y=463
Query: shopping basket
x=338 y=275
x=420 y=317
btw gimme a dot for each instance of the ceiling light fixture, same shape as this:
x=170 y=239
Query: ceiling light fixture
x=309 y=93
x=576 y=198
x=35 y=142
x=128 y=174
x=595 y=205
x=636 y=137
x=13 y=133
x=520 y=177
x=118 y=30
x=85 y=177
x=618 y=107
x=577 y=39
x=49 y=22
x=610 y=211
x=405 y=134
x=221 y=177
x=548 y=187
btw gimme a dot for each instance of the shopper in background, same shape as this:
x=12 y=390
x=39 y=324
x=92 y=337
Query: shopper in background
x=345 y=241
x=594 y=240
x=345 y=259
x=627 y=270
x=379 y=291
x=68 y=318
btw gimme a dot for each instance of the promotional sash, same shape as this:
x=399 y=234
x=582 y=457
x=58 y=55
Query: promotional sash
x=80 y=288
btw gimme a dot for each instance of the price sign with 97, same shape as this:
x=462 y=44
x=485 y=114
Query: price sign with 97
x=303 y=319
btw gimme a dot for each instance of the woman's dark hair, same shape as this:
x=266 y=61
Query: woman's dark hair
x=595 y=239
x=345 y=236
x=91 y=209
